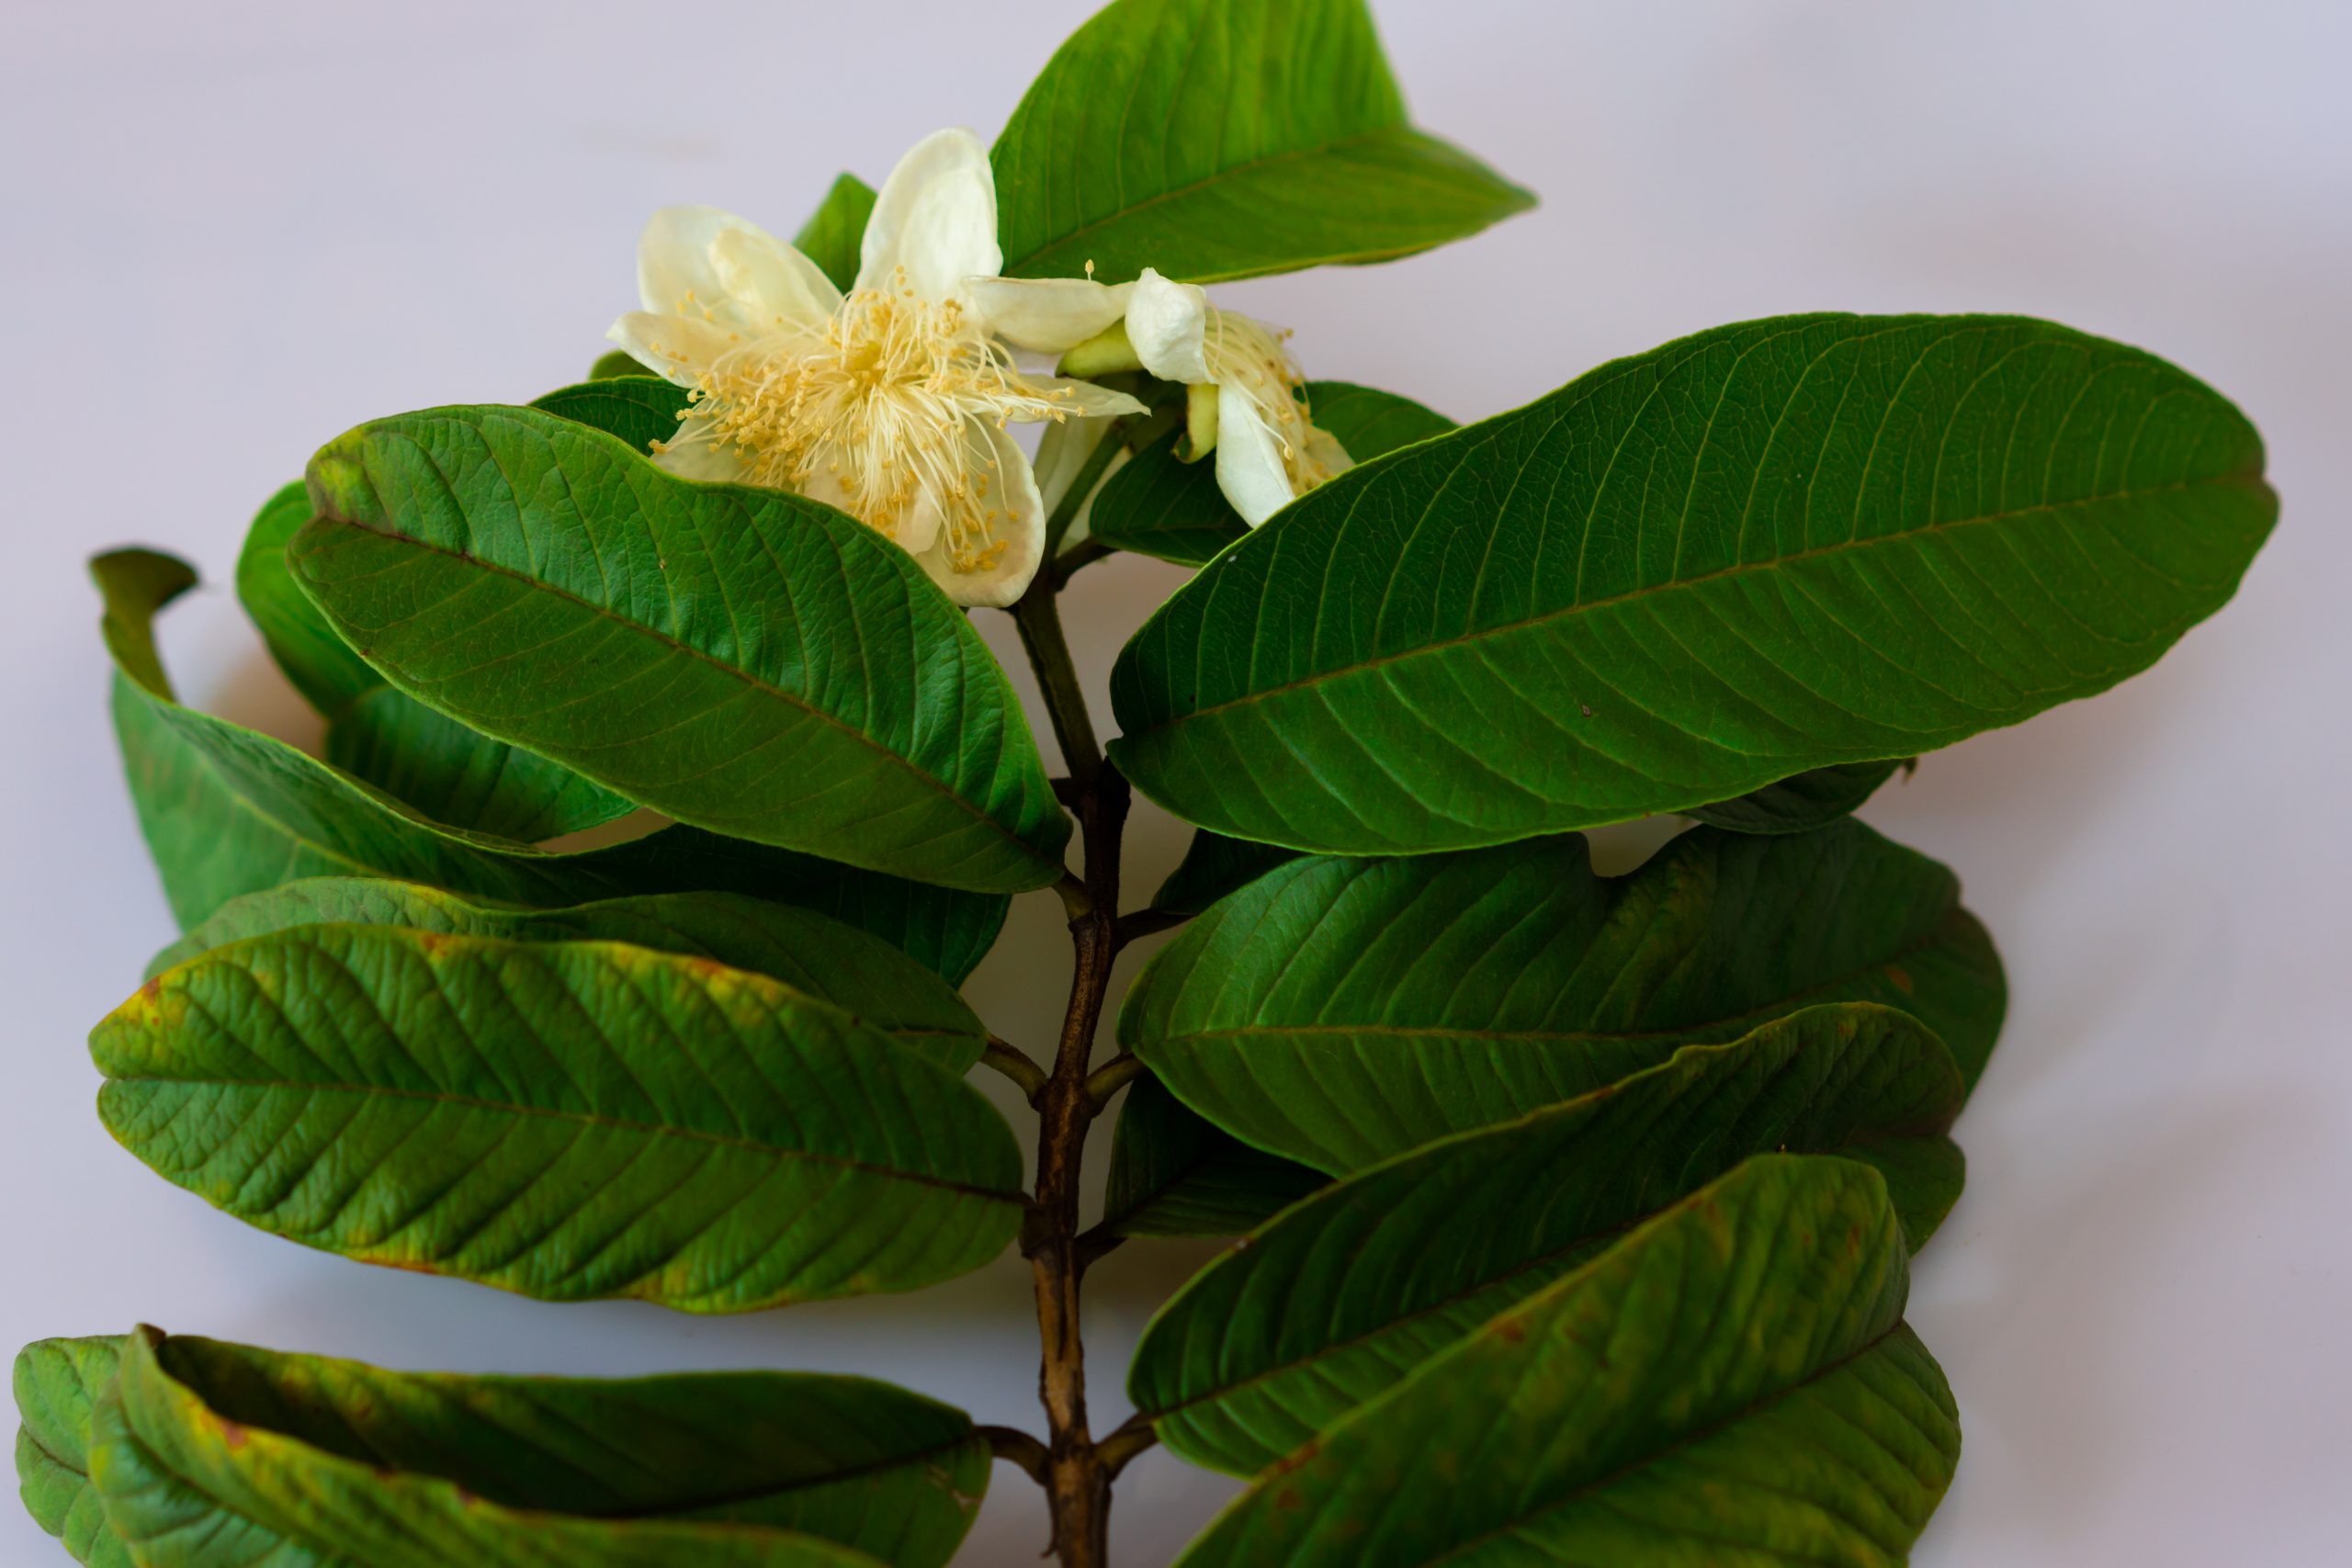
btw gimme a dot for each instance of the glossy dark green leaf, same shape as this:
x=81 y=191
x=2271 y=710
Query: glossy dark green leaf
x=1731 y=1383
x=1768 y=548
x=638 y=408
x=1339 y=1011
x=568 y=1119
x=57 y=1384
x=832 y=236
x=1800 y=804
x=1339 y=1298
x=314 y=659
x=1216 y=139
x=1213 y=867
x=213 y=1455
x=228 y=811
x=858 y=972
x=1159 y=505
x=452 y=775
x=743 y=659
x=1174 y=1174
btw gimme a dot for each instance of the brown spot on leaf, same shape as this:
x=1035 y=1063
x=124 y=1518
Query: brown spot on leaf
x=232 y=1433
x=1901 y=978
x=1512 y=1330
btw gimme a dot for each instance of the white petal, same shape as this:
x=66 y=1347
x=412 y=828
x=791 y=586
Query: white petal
x=916 y=530
x=1023 y=530
x=1167 y=323
x=691 y=454
x=1249 y=459
x=1081 y=526
x=766 y=276
x=1046 y=315
x=1062 y=450
x=677 y=266
x=936 y=218
x=679 y=347
x=1083 y=398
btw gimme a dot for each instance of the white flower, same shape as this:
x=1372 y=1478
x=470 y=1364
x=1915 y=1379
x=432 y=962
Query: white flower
x=891 y=402
x=1269 y=451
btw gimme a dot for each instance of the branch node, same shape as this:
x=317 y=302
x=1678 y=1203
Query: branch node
x=1016 y=1065
x=1110 y=1079
x=1011 y=1443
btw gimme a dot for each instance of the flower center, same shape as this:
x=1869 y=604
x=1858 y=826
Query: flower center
x=880 y=400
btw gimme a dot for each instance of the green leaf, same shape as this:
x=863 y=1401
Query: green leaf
x=58 y=1382
x=1174 y=1174
x=860 y=973
x=1339 y=1011
x=1341 y=1297
x=1733 y=1383
x=455 y=776
x=1764 y=549
x=638 y=408
x=569 y=1121
x=614 y=363
x=434 y=763
x=834 y=232
x=228 y=811
x=1213 y=867
x=321 y=667
x=1160 y=505
x=1803 y=803
x=220 y=1454
x=1217 y=138
x=740 y=659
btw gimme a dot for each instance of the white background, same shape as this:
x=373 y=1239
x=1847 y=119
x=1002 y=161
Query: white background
x=231 y=230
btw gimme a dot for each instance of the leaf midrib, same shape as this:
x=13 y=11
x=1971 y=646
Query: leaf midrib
x=2242 y=478
x=594 y=1119
x=1940 y=937
x=937 y=787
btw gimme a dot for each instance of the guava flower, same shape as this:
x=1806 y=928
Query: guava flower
x=891 y=402
x=1250 y=406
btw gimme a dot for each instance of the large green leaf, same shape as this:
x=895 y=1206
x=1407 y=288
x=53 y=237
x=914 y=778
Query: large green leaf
x=214 y=1454
x=1216 y=139
x=1341 y=1297
x=1160 y=505
x=432 y=763
x=820 y=957
x=228 y=811
x=314 y=659
x=452 y=775
x=638 y=408
x=1764 y=549
x=740 y=659
x=1732 y=1384
x=1174 y=1174
x=834 y=232
x=58 y=1382
x=1213 y=867
x=567 y=1120
x=1339 y=1011
x=1800 y=804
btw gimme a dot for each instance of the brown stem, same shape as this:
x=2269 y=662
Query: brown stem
x=1076 y=1476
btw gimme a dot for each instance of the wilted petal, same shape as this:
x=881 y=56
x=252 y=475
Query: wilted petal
x=1167 y=323
x=1249 y=466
